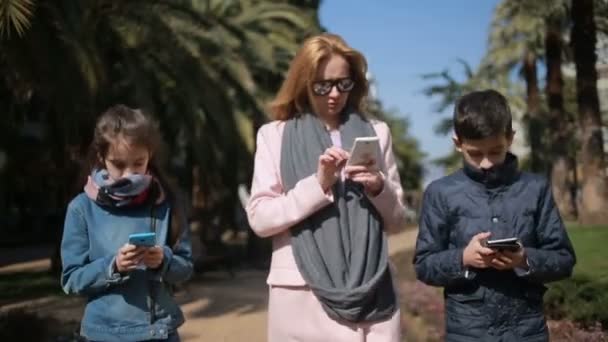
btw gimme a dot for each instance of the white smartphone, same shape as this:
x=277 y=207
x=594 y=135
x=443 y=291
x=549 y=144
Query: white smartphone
x=364 y=150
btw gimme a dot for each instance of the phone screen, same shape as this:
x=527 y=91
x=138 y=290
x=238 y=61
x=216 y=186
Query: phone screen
x=143 y=239
x=364 y=150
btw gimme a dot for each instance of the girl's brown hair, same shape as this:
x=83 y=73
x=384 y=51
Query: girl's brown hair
x=295 y=93
x=123 y=124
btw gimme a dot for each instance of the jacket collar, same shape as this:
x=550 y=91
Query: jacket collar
x=498 y=175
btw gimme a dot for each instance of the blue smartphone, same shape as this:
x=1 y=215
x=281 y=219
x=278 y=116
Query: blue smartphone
x=143 y=239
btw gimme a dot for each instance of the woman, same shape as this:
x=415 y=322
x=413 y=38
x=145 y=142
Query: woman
x=329 y=278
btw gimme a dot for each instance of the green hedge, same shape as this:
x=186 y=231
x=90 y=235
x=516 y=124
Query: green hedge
x=580 y=299
x=584 y=297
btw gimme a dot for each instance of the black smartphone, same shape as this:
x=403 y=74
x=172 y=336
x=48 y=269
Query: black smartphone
x=509 y=244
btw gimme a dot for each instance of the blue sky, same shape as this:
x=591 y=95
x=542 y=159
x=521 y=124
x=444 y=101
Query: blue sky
x=403 y=39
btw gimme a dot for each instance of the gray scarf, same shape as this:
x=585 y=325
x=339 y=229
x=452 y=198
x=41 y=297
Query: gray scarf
x=341 y=249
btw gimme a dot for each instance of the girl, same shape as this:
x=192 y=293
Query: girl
x=329 y=276
x=128 y=288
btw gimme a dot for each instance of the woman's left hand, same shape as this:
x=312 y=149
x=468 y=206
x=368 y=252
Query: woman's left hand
x=368 y=175
x=153 y=257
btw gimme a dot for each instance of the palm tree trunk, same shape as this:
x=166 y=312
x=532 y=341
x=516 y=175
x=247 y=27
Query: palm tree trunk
x=533 y=118
x=559 y=138
x=594 y=206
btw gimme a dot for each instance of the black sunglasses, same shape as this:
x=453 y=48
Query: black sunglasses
x=323 y=87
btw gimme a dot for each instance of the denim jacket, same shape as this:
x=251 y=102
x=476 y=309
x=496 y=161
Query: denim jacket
x=135 y=306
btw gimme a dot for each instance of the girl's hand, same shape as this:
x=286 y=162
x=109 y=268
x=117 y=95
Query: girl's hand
x=330 y=164
x=128 y=257
x=153 y=257
x=368 y=175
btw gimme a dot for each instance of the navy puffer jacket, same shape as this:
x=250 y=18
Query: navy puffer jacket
x=488 y=304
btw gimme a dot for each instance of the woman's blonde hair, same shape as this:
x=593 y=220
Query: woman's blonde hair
x=295 y=93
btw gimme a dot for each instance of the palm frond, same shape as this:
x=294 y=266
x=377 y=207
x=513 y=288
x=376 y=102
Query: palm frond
x=15 y=15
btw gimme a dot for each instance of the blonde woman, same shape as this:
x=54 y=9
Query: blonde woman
x=329 y=277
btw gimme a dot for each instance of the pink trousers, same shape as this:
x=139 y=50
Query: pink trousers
x=295 y=314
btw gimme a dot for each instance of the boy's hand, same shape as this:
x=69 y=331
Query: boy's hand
x=476 y=255
x=506 y=260
x=128 y=257
x=153 y=257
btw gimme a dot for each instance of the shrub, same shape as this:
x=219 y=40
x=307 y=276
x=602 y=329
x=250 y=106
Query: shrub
x=579 y=299
x=23 y=326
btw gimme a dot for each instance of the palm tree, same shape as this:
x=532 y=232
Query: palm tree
x=516 y=42
x=594 y=194
x=206 y=65
x=203 y=68
x=15 y=16
x=533 y=110
x=449 y=90
x=522 y=33
x=559 y=122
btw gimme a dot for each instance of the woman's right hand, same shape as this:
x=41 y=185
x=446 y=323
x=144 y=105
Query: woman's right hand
x=330 y=164
x=128 y=257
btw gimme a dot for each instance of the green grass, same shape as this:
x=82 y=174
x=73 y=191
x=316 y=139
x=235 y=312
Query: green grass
x=591 y=247
x=583 y=298
x=28 y=285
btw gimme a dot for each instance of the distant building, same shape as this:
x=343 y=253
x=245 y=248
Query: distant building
x=520 y=146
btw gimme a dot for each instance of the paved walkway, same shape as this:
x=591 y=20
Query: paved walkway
x=234 y=310
x=217 y=308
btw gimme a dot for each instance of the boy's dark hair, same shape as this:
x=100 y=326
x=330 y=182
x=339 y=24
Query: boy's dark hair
x=482 y=114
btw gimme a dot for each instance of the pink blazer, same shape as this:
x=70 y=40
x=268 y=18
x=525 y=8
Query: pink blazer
x=271 y=211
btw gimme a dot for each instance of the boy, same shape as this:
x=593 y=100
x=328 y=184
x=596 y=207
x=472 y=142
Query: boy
x=491 y=294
